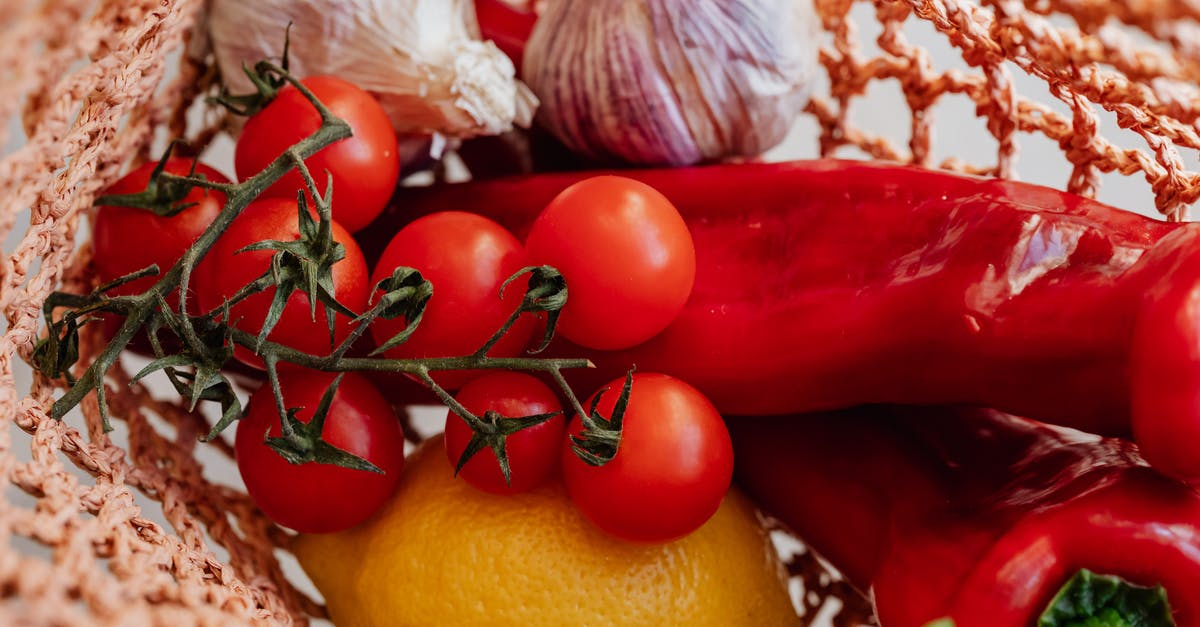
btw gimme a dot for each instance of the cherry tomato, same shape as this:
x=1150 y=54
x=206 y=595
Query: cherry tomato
x=533 y=452
x=127 y=239
x=627 y=257
x=672 y=468
x=321 y=498
x=229 y=270
x=364 y=167
x=466 y=257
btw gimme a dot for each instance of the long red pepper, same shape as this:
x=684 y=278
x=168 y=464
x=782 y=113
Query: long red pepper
x=970 y=514
x=828 y=284
x=506 y=26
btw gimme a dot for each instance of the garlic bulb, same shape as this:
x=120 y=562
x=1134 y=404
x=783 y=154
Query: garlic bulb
x=421 y=58
x=665 y=82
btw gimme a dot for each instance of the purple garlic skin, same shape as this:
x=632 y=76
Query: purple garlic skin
x=671 y=82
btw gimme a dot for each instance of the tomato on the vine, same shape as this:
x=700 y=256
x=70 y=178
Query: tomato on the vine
x=312 y=497
x=127 y=239
x=532 y=452
x=228 y=271
x=364 y=167
x=467 y=258
x=672 y=467
x=627 y=257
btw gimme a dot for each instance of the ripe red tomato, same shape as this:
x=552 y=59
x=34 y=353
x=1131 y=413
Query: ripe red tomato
x=627 y=257
x=127 y=239
x=672 y=468
x=321 y=498
x=364 y=167
x=532 y=452
x=466 y=257
x=229 y=270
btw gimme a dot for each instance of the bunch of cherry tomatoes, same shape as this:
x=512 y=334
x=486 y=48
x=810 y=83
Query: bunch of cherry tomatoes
x=623 y=249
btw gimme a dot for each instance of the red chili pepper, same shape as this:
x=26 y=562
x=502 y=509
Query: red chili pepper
x=829 y=284
x=507 y=26
x=969 y=513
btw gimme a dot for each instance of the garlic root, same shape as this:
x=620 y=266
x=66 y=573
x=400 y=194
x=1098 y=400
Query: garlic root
x=421 y=58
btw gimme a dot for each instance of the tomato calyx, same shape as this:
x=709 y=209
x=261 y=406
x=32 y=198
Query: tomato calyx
x=55 y=355
x=164 y=194
x=491 y=431
x=405 y=294
x=301 y=442
x=598 y=442
x=206 y=348
x=267 y=81
x=546 y=292
x=304 y=264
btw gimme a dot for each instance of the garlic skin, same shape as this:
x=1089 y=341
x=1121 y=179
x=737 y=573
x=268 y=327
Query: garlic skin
x=671 y=82
x=421 y=58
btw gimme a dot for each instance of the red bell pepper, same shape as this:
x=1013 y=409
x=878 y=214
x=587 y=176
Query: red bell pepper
x=829 y=284
x=970 y=514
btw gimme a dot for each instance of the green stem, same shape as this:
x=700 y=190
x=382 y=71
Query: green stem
x=359 y=329
x=257 y=285
x=237 y=198
x=285 y=425
x=199 y=181
x=572 y=400
x=208 y=343
x=508 y=324
x=413 y=367
x=447 y=399
x=93 y=377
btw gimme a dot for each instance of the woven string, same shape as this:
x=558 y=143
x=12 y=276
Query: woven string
x=85 y=80
x=82 y=121
x=1152 y=90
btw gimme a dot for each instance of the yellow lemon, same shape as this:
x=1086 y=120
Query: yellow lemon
x=444 y=554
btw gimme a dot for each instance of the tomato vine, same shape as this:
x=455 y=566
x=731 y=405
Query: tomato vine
x=206 y=340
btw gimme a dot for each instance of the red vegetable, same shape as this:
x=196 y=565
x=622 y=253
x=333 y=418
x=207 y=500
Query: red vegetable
x=671 y=469
x=364 y=167
x=970 y=514
x=626 y=254
x=830 y=284
x=507 y=26
x=466 y=258
x=127 y=239
x=229 y=270
x=532 y=452
x=312 y=497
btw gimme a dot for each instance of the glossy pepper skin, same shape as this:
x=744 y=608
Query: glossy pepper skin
x=506 y=26
x=970 y=513
x=830 y=284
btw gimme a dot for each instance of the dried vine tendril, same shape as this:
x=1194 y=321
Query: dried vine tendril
x=205 y=341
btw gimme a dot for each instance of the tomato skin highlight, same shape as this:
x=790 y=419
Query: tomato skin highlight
x=671 y=471
x=229 y=270
x=364 y=167
x=127 y=239
x=627 y=257
x=467 y=258
x=533 y=452
x=321 y=498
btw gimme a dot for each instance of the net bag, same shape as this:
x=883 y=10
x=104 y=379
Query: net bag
x=128 y=527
